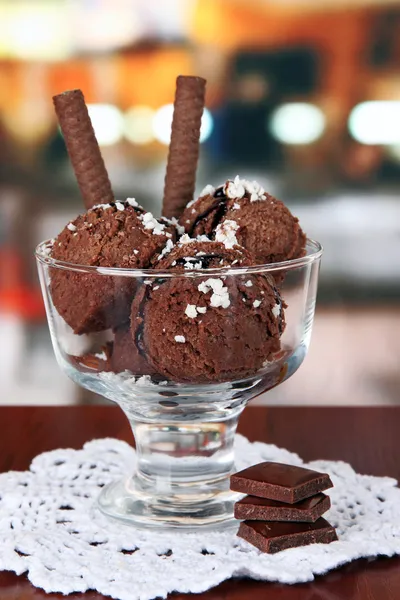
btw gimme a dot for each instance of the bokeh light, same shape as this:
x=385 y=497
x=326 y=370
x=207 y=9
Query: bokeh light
x=138 y=127
x=297 y=123
x=34 y=31
x=376 y=122
x=108 y=123
x=163 y=120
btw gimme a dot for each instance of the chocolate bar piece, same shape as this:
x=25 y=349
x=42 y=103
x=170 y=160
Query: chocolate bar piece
x=274 y=537
x=309 y=510
x=276 y=481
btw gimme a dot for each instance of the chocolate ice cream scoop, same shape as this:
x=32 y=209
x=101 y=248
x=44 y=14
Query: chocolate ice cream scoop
x=120 y=234
x=212 y=328
x=265 y=226
x=126 y=356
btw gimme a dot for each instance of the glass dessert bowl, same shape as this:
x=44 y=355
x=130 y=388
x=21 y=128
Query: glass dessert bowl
x=182 y=361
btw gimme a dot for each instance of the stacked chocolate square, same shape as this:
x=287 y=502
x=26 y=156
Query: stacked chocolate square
x=283 y=507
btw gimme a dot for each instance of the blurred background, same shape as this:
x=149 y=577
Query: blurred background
x=302 y=95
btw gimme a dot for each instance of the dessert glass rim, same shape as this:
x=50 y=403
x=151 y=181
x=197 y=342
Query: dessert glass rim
x=314 y=252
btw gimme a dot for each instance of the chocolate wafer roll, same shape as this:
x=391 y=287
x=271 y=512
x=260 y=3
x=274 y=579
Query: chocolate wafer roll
x=184 y=146
x=83 y=149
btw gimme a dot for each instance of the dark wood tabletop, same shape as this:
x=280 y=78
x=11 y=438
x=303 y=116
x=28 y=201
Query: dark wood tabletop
x=367 y=437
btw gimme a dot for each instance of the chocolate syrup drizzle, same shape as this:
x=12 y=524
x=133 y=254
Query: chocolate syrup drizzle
x=278 y=300
x=218 y=207
x=204 y=259
x=140 y=315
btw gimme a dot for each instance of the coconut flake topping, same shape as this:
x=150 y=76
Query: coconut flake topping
x=71 y=227
x=225 y=233
x=180 y=228
x=190 y=263
x=220 y=295
x=48 y=247
x=118 y=204
x=167 y=248
x=276 y=310
x=238 y=188
x=150 y=222
x=186 y=239
x=180 y=339
x=207 y=191
x=255 y=190
x=191 y=311
x=103 y=206
x=235 y=188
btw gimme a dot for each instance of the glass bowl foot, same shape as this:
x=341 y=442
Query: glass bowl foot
x=184 y=509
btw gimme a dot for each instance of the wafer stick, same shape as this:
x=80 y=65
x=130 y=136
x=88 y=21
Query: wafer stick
x=83 y=149
x=184 y=146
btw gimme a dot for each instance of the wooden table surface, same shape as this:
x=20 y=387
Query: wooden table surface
x=367 y=437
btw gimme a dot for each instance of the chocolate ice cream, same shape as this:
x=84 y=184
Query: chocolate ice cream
x=201 y=253
x=210 y=328
x=264 y=225
x=126 y=356
x=204 y=323
x=120 y=234
x=94 y=361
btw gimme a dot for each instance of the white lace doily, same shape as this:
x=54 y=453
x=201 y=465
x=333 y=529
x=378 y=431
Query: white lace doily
x=50 y=529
